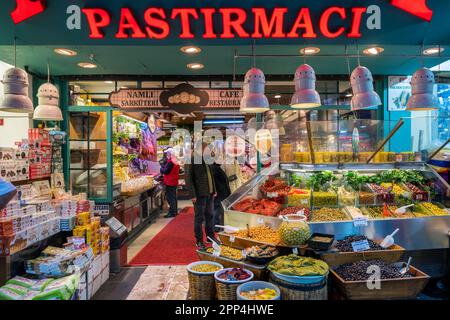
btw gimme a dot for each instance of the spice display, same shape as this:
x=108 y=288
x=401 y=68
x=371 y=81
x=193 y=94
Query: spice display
x=296 y=210
x=205 y=268
x=375 y=212
x=299 y=197
x=293 y=265
x=294 y=232
x=357 y=271
x=324 y=199
x=261 y=252
x=328 y=214
x=366 y=198
x=261 y=234
x=235 y=274
x=345 y=245
x=260 y=294
x=228 y=252
x=263 y=207
x=346 y=197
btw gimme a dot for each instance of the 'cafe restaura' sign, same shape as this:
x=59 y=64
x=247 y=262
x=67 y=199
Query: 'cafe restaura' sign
x=183 y=98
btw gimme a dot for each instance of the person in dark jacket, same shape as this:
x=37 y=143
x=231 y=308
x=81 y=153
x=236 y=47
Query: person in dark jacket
x=223 y=192
x=202 y=189
x=171 y=171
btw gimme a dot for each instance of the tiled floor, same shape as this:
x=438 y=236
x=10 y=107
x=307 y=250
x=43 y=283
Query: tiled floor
x=147 y=283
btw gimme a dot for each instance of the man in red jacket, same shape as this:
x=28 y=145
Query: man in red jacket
x=171 y=171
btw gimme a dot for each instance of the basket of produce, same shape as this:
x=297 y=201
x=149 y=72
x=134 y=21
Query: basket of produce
x=261 y=254
x=351 y=280
x=342 y=252
x=329 y=214
x=258 y=290
x=293 y=231
x=228 y=280
x=259 y=271
x=320 y=241
x=201 y=279
x=300 y=278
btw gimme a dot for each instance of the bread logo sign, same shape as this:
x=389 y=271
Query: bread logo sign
x=184 y=98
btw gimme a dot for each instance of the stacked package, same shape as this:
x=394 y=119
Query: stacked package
x=21 y=288
x=88 y=227
x=14 y=165
x=69 y=209
x=39 y=153
x=21 y=227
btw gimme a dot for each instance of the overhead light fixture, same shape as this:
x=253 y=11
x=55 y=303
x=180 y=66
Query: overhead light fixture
x=190 y=49
x=373 y=51
x=422 y=97
x=48 y=96
x=431 y=51
x=305 y=96
x=87 y=65
x=15 y=89
x=348 y=95
x=254 y=99
x=195 y=66
x=277 y=96
x=65 y=52
x=109 y=82
x=309 y=50
x=364 y=95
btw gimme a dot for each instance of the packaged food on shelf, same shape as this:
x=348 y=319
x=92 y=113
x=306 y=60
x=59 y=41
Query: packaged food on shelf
x=328 y=214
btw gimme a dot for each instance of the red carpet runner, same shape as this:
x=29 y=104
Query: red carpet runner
x=173 y=245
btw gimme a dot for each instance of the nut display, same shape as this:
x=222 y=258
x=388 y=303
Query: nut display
x=345 y=245
x=228 y=252
x=358 y=271
x=293 y=265
x=328 y=214
x=324 y=199
x=261 y=234
x=205 y=268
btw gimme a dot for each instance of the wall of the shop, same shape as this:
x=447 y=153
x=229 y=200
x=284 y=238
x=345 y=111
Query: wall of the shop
x=15 y=125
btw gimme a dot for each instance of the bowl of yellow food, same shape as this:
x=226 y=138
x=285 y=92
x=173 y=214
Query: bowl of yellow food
x=258 y=290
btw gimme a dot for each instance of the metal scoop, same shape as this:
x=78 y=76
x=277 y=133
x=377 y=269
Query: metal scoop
x=402 y=210
x=405 y=270
x=228 y=229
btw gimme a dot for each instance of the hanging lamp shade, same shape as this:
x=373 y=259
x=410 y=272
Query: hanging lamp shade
x=254 y=99
x=305 y=96
x=48 y=110
x=16 y=99
x=364 y=95
x=422 y=98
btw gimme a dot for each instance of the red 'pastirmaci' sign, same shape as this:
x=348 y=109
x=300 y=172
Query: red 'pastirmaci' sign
x=25 y=9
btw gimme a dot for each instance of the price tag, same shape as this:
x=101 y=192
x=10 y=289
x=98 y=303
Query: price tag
x=295 y=251
x=304 y=201
x=232 y=238
x=360 y=222
x=244 y=254
x=260 y=220
x=272 y=194
x=216 y=253
x=359 y=246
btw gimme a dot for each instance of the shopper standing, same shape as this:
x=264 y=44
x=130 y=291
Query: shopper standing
x=202 y=190
x=223 y=192
x=171 y=172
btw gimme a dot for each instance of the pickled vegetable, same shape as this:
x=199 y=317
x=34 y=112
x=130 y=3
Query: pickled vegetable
x=293 y=233
x=260 y=294
x=205 y=268
x=324 y=199
x=328 y=214
x=366 y=197
x=293 y=265
x=299 y=197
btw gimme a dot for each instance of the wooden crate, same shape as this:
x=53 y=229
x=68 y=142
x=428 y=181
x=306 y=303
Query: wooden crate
x=402 y=288
x=259 y=271
x=338 y=258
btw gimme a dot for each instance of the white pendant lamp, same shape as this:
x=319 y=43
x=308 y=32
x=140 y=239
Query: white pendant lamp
x=16 y=99
x=254 y=99
x=422 y=98
x=305 y=96
x=48 y=96
x=364 y=95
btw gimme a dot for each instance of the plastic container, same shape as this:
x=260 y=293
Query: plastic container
x=256 y=285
